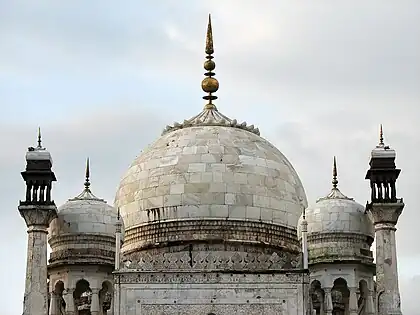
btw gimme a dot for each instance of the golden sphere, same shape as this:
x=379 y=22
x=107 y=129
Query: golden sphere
x=210 y=85
x=209 y=65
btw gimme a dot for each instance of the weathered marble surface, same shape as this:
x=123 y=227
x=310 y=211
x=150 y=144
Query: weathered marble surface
x=207 y=292
x=83 y=232
x=37 y=218
x=386 y=217
x=210 y=172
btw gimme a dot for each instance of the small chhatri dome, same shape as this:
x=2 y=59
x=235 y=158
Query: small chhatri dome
x=340 y=217
x=88 y=219
x=208 y=178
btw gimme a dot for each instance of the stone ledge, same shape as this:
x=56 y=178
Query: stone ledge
x=150 y=235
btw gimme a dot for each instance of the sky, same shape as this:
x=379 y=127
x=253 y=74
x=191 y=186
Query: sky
x=103 y=79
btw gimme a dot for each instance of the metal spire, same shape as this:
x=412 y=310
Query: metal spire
x=39 y=138
x=118 y=214
x=209 y=84
x=335 y=181
x=87 y=182
x=381 y=136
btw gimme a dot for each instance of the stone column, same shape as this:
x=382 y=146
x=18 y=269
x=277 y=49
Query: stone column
x=37 y=218
x=370 y=305
x=95 y=307
x=328 y=301
x=353 y=308
x=54 y=306
x=385 y=216
x=68 y=298
x=111 y=309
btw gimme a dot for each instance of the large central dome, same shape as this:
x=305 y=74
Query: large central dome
x=210 y=178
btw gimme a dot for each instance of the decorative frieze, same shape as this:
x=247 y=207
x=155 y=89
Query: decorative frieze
x=176 y=231
x=211 y=257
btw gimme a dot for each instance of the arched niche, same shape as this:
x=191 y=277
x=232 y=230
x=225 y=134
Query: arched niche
x=82 y=297
x=317 y=297
x=106 y=295
x=362 y=296
x=340 y=297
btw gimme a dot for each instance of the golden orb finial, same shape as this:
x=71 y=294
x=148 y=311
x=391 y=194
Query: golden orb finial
x=209 y=84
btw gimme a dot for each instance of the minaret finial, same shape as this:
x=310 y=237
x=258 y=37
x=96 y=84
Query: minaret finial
x=335 y=181
x=118 y=214
x=209 y=85
x=87 y=182
x=39 y=138
x=381 y=135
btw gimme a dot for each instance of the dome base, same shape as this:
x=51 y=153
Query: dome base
x=165 y=233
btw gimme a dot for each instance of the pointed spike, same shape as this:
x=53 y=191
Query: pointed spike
x=335 y=181
x=209 y=38
x=118 y=214
x=87 y=174
x=381 y=135
x=39 y=138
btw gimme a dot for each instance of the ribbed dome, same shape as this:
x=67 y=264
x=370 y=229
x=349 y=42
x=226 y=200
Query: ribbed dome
x=84 y=231
x=208 y=169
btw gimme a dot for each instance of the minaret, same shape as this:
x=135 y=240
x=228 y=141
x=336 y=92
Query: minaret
x=386 y=209
x=38 y=210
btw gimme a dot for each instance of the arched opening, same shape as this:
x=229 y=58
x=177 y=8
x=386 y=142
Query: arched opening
x=58 y=292
x=105 y=297
x=362 y=297
x=340 y=297
x=317 y=297
x=82 y=297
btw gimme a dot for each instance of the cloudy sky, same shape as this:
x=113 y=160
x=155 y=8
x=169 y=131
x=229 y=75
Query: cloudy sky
x=103 y=80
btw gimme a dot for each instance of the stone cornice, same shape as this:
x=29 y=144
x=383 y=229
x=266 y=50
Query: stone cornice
x=209 y=277
x=386 y=212
x=317 y=238
x=163 y=233
x=81 y=238
x=83 y=256
x=36 y=214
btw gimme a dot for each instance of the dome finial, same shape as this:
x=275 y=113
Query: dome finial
x=381 y=135
x=335 y=181
x=87 y=182
x=39 y=138
x=209 y=85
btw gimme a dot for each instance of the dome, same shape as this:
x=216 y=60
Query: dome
x=338 y=228
x=85 y=213
x=210 y=179
x=213 y=172
x=337 y=213
x=84 y=230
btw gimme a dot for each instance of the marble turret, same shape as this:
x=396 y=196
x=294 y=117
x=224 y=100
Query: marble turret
x=38 y=210
x=385 y=208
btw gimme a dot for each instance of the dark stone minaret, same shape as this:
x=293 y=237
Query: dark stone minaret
x=386 y=209
x=38 y=210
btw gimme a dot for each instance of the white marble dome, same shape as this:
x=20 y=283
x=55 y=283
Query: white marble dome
x=337 y=213
x=85 y=214
x=212 y=169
